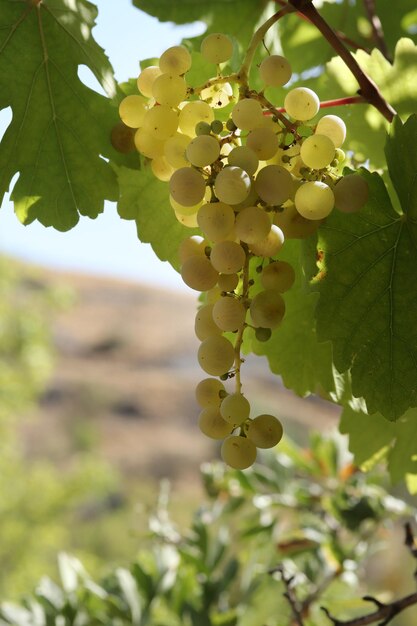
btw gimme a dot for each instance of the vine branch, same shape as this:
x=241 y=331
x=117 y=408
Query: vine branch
x=377 y=30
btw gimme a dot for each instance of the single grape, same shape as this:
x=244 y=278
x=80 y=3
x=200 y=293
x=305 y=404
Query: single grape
x=230 y=125
x=203 y=150
x=202 y=128
x=252 y=224
x=238 y=452
x=161 y=169
x=267 y=309
x=229 y=314
x=190 y=247
x=204 y=325
x=189 y=221
x=294 y=225
x=146 y=79
x=216 y=220
x=265 y=431
x=132 y=110
x=317 y=151
x=232 y=185
x=210 y=392
x=198 y=273
x=245 y=158
x=217 y=127
x=169 y=89
x=216 y=355
x=212 y=424
x=275 y=71
x=314 y=200
x=263 y=334
x=278 y=275
x=174 y=150
x=235 y=409
x=175 y=60
x=271 y=245
x=274 y=184
x=351 y=193
x=187 y=186
x=192 y=113
x=227 y=257
x=122 y=138
x=333 y=127
x=216 y=48
x=148 y=144
x=302 y=103
x=161 y=122
x=247 y=114
x=264 y=143
x=228 y=282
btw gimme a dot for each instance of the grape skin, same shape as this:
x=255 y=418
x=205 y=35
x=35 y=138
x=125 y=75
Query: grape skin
x=245 y=158
x=333 y=127
x=216 y=355
x=175 y=60
x=216 y=220
x=198 y=273
x=169 y=89
x=265 y=431
x=212 y=424
x=264 y=143
x=252 y=224
x=247 y=114
x=274 y=184
x=302 y=103
x=232 y=185
x=204 y=325
x=278 y=275
x=275 y=71
x=267 y=309
x=314 y=200
x=235 y=409
x=238 y=452
x=227 y=257
x=146 y=79
x=271 y=245
x=317 y=151
x=132 y=110
x=217 y=48
x=208 y=392
x=187 y=186
x=229 y=314
x=203 y=150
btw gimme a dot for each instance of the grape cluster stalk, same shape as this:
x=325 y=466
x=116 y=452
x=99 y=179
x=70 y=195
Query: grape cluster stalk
x=248 y=183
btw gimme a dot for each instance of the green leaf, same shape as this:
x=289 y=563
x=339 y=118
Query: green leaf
x=294 y=351
x=145 y=199
x=368 y=285
x=60 y=128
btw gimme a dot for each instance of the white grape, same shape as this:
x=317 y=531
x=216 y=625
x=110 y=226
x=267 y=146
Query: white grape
x=148 y=144
x=204 y=324
x=216 y=220
x=228 y=282
x=184 y=210
x=187 y=186
x=146 y=79
x=264 y=143
x=294 y=225
x=265 y=431
x=161 y=169
x=216 y=355
x=229 y=314
x=278 y=275
x=267 y=309
x=208 y=392
x=161 y=122
x=302 y=103
x=314 y=200
x=274 y=184
x=238 y=452
x=245 y=158
x=252 y=224
x=132 y=110
x=317 y=151
x=175 y=60
x=203 y=150
x=189 y=221
x=174 y=150
x=198 y=273
x=235 y=409
x=275 y=71
x=351 y=193
x=227 y=257
x=212 y=424
x=271 y=245
x=192 y=113
x=232 y=185
x=216 y=48
x=333 y=127
x=247 y=114
x=169 y=89
x=190 y=247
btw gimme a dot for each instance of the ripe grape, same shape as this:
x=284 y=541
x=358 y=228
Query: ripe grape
x=192 y=113
x=146 y=79
x=351 y=193
x=229 y=313
x=187 y=186
x=184 y=210
x=245 y=158
x=302 y=103
x=247 y=114
x=216 y=48
x=267 y=309
x=271 y=245
x=333 y=127
x=161 y=168
x=264 y=143
x=122 y=138
x=232 y=185
x=294 y=225
x=314 y=200
x=147 y=144
x=132 y=110
x=203 y=150
x=204 y=325
x=212 y=424
x=174 y=150
x=161 y=122
x=265 y=431
x=169 y=89
x=238 y=452
x=190 y=247
x=216 y=355
x=235 y=409
x=278 y=275
x=275 y=71
x=216 y=220
x=252 y=224
x=227 y=257
x=198 y=273
x=175 y=60
x=317 y=151
x=274 y=184
x=228 y=282
x=209 y=392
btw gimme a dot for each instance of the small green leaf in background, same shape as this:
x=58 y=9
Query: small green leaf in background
x=368 y=286
x=60 y=128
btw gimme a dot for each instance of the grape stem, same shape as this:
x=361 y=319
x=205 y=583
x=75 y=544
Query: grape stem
x=277 y=111
x=239 y=337
x=377 y=30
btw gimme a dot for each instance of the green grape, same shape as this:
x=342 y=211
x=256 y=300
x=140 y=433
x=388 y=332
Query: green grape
x=232 y=185
x=202 y=128
x=275 y=71
x=294 y=225
x=204 y=325
x=212 y=424
x=216 y=220
x=192 y=113
x=267 y=309
x=252 y=224
x=245 y=158
x=235 y=409
x=230 y=125
x=175 y=60
x=161 y=168
x=216 y=355
x=238 y=452
x=210 y=392
x=146 y=79
x=227 y=257
x=333 y=127
x=265 y=431
x=264 y=143
x=217 y=127
x=302 y=103
x=203 y=150
x=148 y=145
x=174 y=150
x=247 y=114
x=123 y=138
x=274 y=184
x=198 y=273
x=351 y=193
x=161 y=122
x=187 y=186
x=190 y=247
x=317 y=151
x=169 y=89
x=271 y=245
x=216 y=48
x=228 y=282
x=263 y=334
x=314 y=200
x=278 y=275
x=340 y=155
x=229 y=314
x=132 y=110
x=218 y=96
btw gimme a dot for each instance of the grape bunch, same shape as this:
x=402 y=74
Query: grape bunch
x=248 y=180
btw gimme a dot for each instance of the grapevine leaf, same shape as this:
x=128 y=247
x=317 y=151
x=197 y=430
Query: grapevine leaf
x=370 y=435
x=368 y=285
x=144 y=198
x=293 y=351
x=60 y=128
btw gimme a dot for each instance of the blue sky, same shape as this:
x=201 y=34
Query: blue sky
x=127 y=35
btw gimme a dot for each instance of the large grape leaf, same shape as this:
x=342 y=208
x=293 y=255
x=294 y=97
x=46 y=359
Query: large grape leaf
x=293 y=351
x=368 y=284
x=145 y=199
x=371 y=436
x=60 y=129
